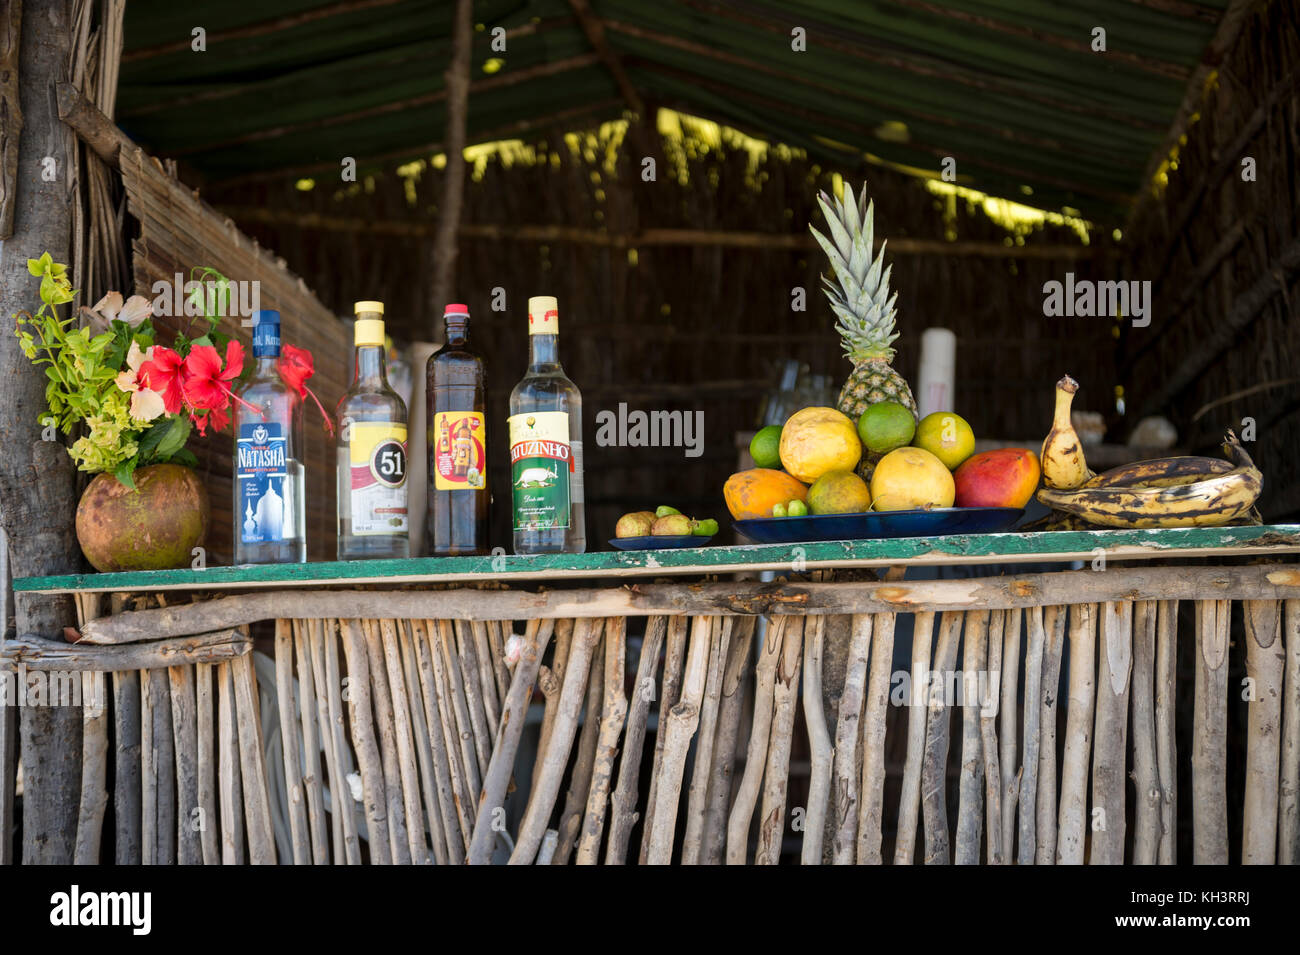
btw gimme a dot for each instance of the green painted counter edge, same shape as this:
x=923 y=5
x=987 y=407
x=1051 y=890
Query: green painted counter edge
x=957 y=549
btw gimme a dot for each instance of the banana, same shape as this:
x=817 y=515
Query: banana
x=1161 y=472
x=1208 y=502
x=1064 y=467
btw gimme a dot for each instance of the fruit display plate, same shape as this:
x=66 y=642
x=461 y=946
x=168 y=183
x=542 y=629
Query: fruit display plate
x=659 y=543
x=935 y=522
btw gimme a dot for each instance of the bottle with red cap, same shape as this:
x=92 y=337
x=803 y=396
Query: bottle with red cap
x=457 y=433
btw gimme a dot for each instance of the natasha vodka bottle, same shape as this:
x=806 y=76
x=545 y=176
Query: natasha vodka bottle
x=547 y=506
x=371 y=451
x=269 y=510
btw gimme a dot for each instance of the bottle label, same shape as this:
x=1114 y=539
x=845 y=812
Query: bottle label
x=261 y=474
x=377 y=454
x=459 y=454
x=541 y=465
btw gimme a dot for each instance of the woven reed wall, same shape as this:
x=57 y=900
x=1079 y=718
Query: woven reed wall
x=1224 y=256
x=683 y=327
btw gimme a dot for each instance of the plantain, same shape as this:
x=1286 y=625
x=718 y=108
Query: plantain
x=1211 y=501
x=1064 y=466
x=1161 y=472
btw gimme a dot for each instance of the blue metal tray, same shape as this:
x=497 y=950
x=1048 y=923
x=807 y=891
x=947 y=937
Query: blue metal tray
x=935 y=522
x=659 y=543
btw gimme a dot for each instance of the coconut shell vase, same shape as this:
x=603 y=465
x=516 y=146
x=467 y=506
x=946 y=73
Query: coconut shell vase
x=154 y=527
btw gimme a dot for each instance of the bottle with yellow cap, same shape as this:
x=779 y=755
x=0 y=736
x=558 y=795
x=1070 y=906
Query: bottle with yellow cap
x=545 y=424
x=371 y=451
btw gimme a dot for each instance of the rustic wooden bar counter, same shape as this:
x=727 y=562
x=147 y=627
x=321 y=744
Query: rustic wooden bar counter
x=403 y=746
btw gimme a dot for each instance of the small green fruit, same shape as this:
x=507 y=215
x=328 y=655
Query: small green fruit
x=797 y=509
x=663 y=510
x=778 y=510
x=706 y=528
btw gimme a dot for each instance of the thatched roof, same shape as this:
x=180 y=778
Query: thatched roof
x=1013 y=91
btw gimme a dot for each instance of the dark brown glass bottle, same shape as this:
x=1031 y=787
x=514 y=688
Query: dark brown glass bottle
x=457 y=433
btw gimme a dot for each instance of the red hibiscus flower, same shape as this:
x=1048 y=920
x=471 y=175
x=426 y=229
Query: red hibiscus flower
x=296 y=367
x=162 y=373
x=205 y=384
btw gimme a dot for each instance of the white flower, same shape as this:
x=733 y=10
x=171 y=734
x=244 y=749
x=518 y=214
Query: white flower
x=145 y=404
x=102 y=314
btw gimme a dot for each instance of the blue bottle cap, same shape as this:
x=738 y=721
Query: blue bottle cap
x=266 y=333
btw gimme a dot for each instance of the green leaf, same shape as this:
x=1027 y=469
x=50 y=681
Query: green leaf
x=164 y=438
x=125 y=473
x=185 y=457
x=201 y=340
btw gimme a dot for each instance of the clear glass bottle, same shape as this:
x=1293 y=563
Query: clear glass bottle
x=457 y=435
x=548 y=514
x=269 y=500
x=371 y=451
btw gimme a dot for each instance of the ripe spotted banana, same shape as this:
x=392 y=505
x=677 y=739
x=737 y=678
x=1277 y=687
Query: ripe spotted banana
x=1161 y=472
x=1208 y=502
x=1064 y=467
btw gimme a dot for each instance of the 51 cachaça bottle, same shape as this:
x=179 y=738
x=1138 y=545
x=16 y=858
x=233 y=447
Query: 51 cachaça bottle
x=269 y=510
x=371 y=451
x=457 y=435
x=547 y=506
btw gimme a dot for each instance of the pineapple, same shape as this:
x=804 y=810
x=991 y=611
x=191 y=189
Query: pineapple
x=862 y=304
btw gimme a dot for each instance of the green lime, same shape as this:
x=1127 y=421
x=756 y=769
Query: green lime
x=886 y=426
x=778 y=510
x=765 y=447
x=947 y=436
x=796 y=508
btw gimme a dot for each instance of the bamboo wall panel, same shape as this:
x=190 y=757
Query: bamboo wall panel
x=395 y=740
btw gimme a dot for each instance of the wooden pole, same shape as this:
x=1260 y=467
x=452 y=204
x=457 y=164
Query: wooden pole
x=1265 y=671
x=37 y=499
x=94 y=739
x=456 y=82
x=776 y=776
x=989 y=741
x=391 y=654
x=1166 y=693
x=1146 y=775
x=1054 y=619
x=822 y=762
x=546 y=784
x=442 y=721
x=1111 y=733
x=1032 y=722
x=848 y=730
x=683 y=720
x=623 y=803
x=871 y=816
x=970 y=791
x=1210 y=735
x=1289 y=796
x=454 y=815
x=1072 y=821
x=575 y=797
x=232 y=806
x=909 y=803
x=448 y=846
x=612 y=716
x=724 y=756
x=365 y=744
x=674 y=660
x=702 y=772
x=399 y=830
x=514 y=710
x=311 y=743
x=934 y=765
x=206 y=735
x=325 y=671
x=252 y=765
x=185 y=740
x=742 y=809
x=289 y=742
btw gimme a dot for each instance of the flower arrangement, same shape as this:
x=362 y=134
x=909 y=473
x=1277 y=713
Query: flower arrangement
x=139 y=401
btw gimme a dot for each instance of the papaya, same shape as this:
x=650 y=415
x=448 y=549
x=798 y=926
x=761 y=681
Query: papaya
x=753 y=493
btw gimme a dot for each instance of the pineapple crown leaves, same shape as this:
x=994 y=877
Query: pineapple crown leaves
x=860 y=295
